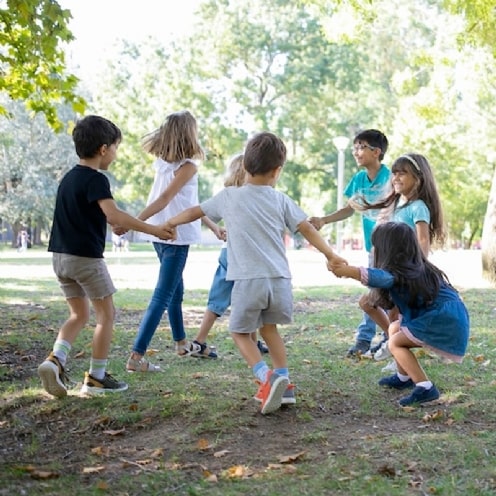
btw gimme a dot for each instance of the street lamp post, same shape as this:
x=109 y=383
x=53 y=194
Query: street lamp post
x=340 y=142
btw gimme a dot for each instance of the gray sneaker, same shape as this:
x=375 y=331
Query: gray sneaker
x=359 y=348
x=106 y=385
x=272 y=391
x=288 y=398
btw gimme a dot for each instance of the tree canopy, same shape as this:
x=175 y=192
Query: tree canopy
x=32 y=59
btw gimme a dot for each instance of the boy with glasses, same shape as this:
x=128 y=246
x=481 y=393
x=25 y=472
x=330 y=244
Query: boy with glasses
x=370 y=182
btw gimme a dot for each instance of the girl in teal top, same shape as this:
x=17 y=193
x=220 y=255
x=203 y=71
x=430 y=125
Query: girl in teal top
x=414 y=200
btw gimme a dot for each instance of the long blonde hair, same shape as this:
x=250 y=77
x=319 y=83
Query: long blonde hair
x=235 y=173
x=176 y=139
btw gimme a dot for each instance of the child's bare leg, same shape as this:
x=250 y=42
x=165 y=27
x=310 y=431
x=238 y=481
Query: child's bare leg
x=79 y=315
x=207 y=323
x=274 y=342
x=102 y=337
x=247 y=347
x=379 y=315
x=407 y=362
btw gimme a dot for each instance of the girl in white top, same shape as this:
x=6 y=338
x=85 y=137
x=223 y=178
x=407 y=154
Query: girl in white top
x=177 y=150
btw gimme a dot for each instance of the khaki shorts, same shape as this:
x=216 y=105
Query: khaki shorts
x=255 y=302
x=82 y=276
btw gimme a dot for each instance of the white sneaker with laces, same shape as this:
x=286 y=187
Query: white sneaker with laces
x=383 y=352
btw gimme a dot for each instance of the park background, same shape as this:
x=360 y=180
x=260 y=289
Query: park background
x=307 y=71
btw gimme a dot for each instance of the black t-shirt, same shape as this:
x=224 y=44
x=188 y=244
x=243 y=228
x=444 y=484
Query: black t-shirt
x=79 y=224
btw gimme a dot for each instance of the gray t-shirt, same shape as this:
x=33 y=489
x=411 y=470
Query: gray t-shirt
x=256 y=219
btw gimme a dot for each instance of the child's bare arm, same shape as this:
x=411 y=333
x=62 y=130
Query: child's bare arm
x=185 y=217
x=308 y=231
x=342 y=270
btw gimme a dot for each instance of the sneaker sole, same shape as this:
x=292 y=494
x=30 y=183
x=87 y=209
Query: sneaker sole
x=284 y=401
x=274 y=400
x=48 y=373
x=98 y=390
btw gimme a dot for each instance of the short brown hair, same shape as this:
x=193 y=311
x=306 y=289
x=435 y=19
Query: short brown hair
x=264 y=153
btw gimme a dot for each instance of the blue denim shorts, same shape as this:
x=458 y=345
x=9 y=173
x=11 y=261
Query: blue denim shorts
x=219 y=296
x=82 y=276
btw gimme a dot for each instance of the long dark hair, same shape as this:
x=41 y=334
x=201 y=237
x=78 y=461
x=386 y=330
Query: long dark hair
x=396 y=249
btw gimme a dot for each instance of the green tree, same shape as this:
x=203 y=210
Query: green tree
x=32 y=161
x=32 y=60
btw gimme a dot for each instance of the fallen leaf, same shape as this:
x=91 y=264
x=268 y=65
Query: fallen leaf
x=203 y=444
x=220 y=454
x=157 y=453
x=101 y=450
x=102 y=421
x=291 y=458
x=238 y=472
x=44 y=475
x=387 y=470
x=102 y=485
x=114 y=432
x=93 y=470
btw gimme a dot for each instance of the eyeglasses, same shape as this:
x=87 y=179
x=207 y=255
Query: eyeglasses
x=360 y=147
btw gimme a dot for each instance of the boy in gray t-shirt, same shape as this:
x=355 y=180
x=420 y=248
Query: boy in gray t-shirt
x=256 y=217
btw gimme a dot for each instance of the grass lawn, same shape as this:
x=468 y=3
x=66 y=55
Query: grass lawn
x=195 y=429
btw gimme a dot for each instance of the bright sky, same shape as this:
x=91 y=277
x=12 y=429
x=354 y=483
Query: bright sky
x=97 y=24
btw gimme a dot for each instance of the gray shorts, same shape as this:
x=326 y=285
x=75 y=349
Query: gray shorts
x=255 y=302
x=82 y=276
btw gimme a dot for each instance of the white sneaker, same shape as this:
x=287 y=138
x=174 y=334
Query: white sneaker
x=383 y=352
x=390 y=367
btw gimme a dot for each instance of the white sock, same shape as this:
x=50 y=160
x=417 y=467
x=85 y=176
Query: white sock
x=97 y=368
x=402 y=378
x=425 y=384
x=61 y=349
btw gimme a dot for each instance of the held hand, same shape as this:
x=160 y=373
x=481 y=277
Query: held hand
x=221 y=233
x=337 y=266
x=119 y=230
x=317 y=222
x=166 y=231
x=336 y=260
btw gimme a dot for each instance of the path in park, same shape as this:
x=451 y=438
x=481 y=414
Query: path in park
x=463 y=267
x=139 y=269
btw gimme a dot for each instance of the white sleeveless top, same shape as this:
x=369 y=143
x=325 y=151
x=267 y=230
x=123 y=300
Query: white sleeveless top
x=186 y=197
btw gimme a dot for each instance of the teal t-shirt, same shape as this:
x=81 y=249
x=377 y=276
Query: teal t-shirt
x=411 y=213
x=372 y=191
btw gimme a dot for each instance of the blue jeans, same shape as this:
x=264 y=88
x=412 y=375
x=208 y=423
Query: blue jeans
x=366 y=330
x=219 y=296
x=168 y=295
